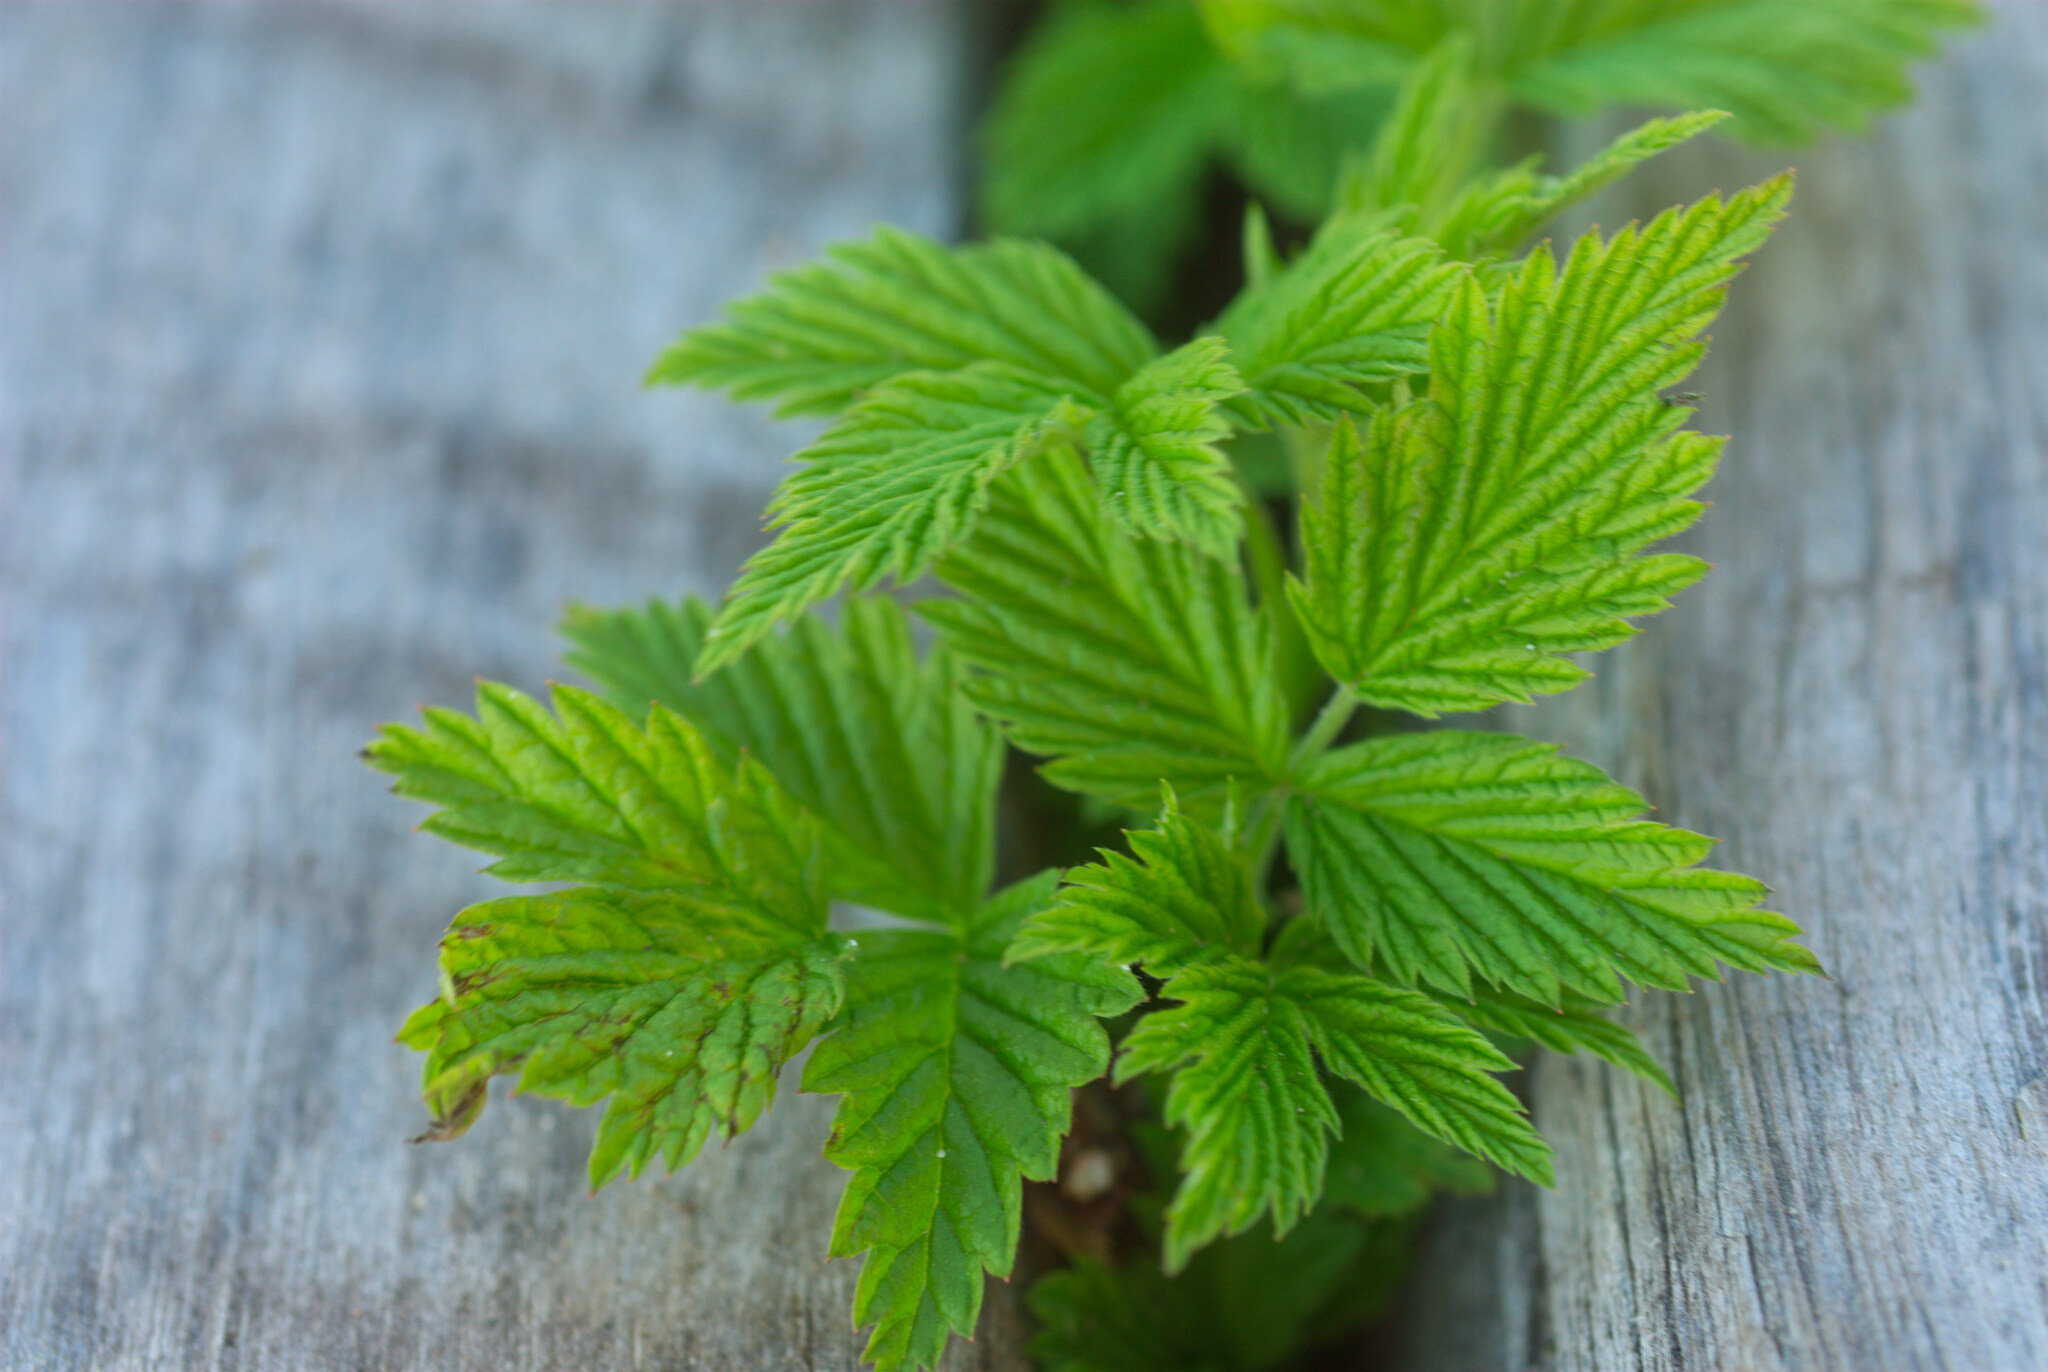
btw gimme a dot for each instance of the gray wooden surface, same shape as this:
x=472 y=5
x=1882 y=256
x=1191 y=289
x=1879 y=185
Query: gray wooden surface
x=319 y=349
x=1857 y=701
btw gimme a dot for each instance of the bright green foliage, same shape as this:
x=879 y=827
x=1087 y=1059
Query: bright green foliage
x=1466 y=541
x=1786 y=68
x=821 y=336
x=1127 y=661
x=1243 y=1045
x=1486 y=454
x=957 y=1071
x=678 y=982
x=1156 y=455
x=882 y=749
x=1436 y=856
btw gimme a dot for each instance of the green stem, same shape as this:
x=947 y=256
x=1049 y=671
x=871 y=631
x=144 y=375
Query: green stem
x=1336 y=714
x=1294 y=662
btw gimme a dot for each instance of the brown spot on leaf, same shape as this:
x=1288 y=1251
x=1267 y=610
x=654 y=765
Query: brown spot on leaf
x=454 y=1119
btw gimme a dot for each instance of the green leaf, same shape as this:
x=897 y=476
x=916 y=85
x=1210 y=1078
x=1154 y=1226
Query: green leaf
x=1575 y=1025
x=1470 y=539
x=1243 y=1047
x=1289 y=149
x=1185 y=896
x=678 y=983
x=884 y=750
x=590 y=797
x=1126 y=661
x=596 y=993
x=1381 y=1166
x=1353 y=310
x=900 y=479
x=957 y=1072
x=1156 y=457
x=1506 y=209
x=1106 y=125
x=1432 y=141
x=1107 y=112
x=822 y=335
x=1437 y=856
x=1786 y=68
x=1244 y=1043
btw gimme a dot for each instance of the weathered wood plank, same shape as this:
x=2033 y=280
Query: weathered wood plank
x=321 y=337
x=1857 y=701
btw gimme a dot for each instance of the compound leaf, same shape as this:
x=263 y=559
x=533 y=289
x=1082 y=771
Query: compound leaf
x=957 y=1071
x=1467 y=541
x=678 y=982
x=822 y=335
x=1125 y=661
x=883 y=749
x=1437 y=856
x=1243 y=1047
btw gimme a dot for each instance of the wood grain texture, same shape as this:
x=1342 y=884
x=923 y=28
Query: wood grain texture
x=321 y=334
x=1857 y=702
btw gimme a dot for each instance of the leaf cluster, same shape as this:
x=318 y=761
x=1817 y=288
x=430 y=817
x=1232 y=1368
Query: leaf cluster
x=1341 y=934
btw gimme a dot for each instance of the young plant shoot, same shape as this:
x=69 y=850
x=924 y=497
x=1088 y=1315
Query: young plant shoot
x=1316 y=938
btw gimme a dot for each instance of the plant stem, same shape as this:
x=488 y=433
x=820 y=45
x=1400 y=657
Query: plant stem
x=1336 y=714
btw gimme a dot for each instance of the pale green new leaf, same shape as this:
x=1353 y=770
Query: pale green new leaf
x=1353 y=310
x=1441 y=857
x=1125 y=661
x=957 y=1071
x=1155 y=452
x=595 y=993
x=824 y=334
x=678 y=982
x=1472 y=538
x=1243 y=1047
x=881 y=748
x=900 y=479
